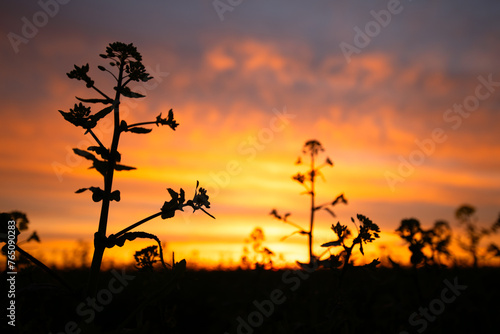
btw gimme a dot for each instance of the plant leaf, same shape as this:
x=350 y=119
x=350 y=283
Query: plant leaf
x=137 y=129
x=339 y=199
x=115 y=196
x=125 y=91
x=275 y=214
x=103 y=152
x=34 y=236
x=85 y=154
x=100 y=166
x=330 y=212
x=173 y=193
x=331 y=244
x=102 y=113
x=97 y=193
x=123 y=167
x=104 y=101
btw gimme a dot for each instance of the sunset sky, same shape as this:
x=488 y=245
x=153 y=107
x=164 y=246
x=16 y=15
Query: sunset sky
x=404 y=96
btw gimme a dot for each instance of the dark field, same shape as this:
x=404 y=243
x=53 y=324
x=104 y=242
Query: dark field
x=366 y=301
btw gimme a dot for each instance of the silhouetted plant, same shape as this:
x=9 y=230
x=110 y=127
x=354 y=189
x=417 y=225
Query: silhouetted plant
x=259 y=257
x=13 y=261
x=493 y=250
x=146 y=258
x=411 y=231
x=436 y=240
x=426 y=246
x=439 y=241
x=474 y=233
x=126 y=64
x=312 y=148
x=367 y=232
x=22 y=223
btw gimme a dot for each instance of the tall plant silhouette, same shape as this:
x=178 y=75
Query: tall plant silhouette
x=311 y=149
x=126 y=67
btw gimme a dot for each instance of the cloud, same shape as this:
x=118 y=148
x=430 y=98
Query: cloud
x=223 y=81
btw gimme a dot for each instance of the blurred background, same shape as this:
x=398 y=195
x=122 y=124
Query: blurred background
x=404 y=97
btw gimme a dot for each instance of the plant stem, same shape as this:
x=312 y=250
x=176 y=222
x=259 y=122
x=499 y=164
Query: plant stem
x=96 y=139
x=142 y=123
x=311 y=222
x=126 y=82
x=125 y=230
x=99 y=91
x=44 y=267
x=347 y=257
x=100 y=235
x=293 y=224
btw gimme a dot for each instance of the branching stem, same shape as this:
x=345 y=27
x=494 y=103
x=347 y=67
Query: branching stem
x=96 y=139
x=99 y=91
x=125 y=230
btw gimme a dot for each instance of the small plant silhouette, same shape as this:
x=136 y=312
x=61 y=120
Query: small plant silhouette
x=22 y=223
x=474 y=233
x=126 y=64
x=146 y=258
x=13 y=262
x=259 y=257
x=367 y=232
x=436 y=240
x=312 y=148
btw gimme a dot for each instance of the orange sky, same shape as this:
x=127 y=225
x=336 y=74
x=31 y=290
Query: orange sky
x=226 y=82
